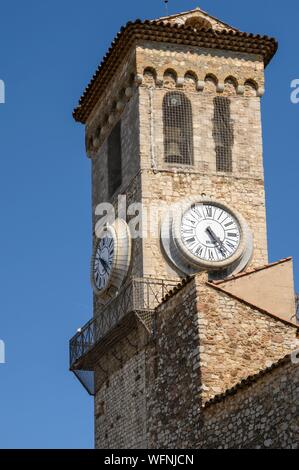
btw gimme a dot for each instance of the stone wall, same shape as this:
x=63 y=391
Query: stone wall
x=236 y=340
x=201 y=75
x=262 y=415
x=161 y=189
x=110 y=104
x=158 y=394
x=173 y=374
x=120 y=400
x=206 y=343
x=131 y=181
x=202 y=62
x=130 y=155
x=247 y=156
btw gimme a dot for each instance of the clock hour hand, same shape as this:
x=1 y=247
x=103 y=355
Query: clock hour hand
x=216 y=240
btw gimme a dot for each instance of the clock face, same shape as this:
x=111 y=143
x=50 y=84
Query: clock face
x=103 y=262
x=210 y=233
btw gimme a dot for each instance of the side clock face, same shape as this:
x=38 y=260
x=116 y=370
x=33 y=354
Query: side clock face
x=111 y=259
x=210 y=233
x=103 y=262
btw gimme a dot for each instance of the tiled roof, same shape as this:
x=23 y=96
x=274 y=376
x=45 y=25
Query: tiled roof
x=177 y=289
x=253 y=306
x=159 y=31
x=217 y=285
x=248 y=381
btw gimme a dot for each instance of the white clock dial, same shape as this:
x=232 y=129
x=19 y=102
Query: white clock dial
x=210 y=233
x=201 y=233
x=103 y=262
x=111 y=259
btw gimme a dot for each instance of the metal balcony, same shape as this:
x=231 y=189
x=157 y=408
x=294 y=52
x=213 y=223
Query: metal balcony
x=135 y=302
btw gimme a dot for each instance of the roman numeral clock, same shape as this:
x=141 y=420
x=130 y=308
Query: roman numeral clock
x=206 y=234
x=111 y=259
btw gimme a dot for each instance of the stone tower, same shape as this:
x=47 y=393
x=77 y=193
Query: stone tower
x=187 y=329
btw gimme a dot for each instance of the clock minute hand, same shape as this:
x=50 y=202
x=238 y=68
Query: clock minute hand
x=216 y=239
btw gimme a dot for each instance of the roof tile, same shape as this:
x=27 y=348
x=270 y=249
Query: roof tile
x=158 y=31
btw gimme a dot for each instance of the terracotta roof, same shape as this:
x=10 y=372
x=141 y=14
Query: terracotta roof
x=158 y=31
x=176 y=289
x=248 y=381
x=217 y=286
x=253 y=306
x=250 y=271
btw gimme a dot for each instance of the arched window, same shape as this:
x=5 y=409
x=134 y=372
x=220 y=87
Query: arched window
x=223 y=133
x=178 y=129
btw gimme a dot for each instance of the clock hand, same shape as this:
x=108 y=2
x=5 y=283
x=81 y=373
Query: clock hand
x=213 y=235
x=217 y=240
x=104 y=264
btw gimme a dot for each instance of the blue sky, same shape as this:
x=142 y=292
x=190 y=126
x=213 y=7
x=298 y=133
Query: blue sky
x=48 y=52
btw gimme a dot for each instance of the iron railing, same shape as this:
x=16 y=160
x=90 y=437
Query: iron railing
x=141 y=296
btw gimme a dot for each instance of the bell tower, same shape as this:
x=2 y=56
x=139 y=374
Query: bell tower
x=173 y=131
x=177 y=115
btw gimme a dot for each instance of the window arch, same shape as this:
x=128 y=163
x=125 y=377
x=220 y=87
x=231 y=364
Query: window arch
x=251 y=88
x=178 y=129
x=223 y=133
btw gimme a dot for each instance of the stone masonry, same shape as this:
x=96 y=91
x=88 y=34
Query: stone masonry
x=261 y=415
x=206 y=343
x=173 y=390
x=161 y=185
